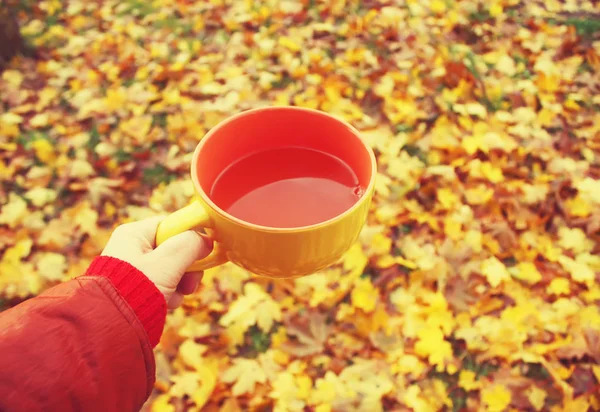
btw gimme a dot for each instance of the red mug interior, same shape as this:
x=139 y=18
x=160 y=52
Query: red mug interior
x=275 y=130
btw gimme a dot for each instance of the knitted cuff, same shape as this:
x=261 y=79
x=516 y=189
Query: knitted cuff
x=140 y=293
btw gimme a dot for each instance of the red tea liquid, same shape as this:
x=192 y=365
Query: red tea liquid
x=287 y=187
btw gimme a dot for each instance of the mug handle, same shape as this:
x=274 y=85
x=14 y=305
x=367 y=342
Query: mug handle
x=191 y=217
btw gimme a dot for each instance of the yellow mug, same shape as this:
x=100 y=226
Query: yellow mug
x=273 y=251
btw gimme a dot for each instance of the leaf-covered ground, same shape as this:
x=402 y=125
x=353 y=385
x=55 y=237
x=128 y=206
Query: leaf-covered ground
x=475 y=282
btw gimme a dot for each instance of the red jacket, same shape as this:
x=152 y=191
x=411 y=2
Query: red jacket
x=84 y=345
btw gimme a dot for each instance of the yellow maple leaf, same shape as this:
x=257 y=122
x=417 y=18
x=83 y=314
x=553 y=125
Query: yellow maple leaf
x=571 y=403
x=387 y=213
x=80 y=169
x=191 y=352
x=137 y=127
x=590 y=189
x=13 y=77
x=495 y=271
x=355 y=260
x=39 y=120
x=88 y=106
x=246 y=373
x=438 y=6
x=474 y=238
x=423 y=256
x=548 y=248
x=184 y=384
x=289 y=44
x=288 y=392
x=491 y=172
x=46 y=96
x=208 y=371
x=367 y=378
x=365 y=295
x=255 y=307
x=380 y=138
x=19 y=251
x=527 y=272
x=534 y=193
x=414 y=399
x=479 y=195
x=317 y=287
x=466 y=380
x=329 y=388
x=506 y=65
x=13 y=212
x=596 y=371
x=578 y=206
x=591 y=260
x=382 y=184
x=472 y=143
x=304 y=384
x=579 y=270
x=387 y=261
x=559 y=286
x=199 y=385
x=52 y=266
x=6 y=172
x=452 y=228
x=40 y=196
x=161 y=404
x=496 y=398
x=8 y=130
x=84 y=216
x=409 y=364
x=10 y=118
x=537 y=397
x=44 y=150
x=435 y=392
x=380 y=244
x=116 y=99
x=447 y=198
x=474 y=109
x=432 y=345
x=436 y=312
x=496 y=9
x=574 y=239
x=405 y=168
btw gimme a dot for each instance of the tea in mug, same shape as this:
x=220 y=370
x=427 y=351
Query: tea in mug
x=286 y=188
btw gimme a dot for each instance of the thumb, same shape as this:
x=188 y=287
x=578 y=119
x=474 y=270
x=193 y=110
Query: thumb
x=176 y=254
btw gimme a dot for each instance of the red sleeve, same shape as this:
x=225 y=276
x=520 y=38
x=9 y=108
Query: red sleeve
x=84 y=345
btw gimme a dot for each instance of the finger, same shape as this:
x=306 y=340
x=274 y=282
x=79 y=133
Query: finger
x=189 y=282
x=133 y=239
x=181 y=251
x=144 y=229
x=175 y=301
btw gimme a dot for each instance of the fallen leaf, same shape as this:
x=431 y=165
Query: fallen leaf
x=494 y=271
x=496 y=398
x=246 y=373
x=310 y=338
x=364 y=295
x=52 y=266
x=13 y=212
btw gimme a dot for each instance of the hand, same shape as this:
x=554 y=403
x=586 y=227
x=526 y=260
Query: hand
x=164 y=265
